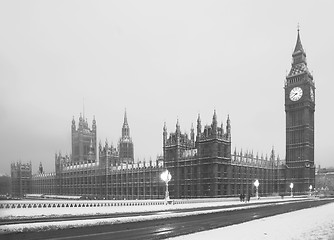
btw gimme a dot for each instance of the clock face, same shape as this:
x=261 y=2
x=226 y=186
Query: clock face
x=312 y=94
x=296 y=93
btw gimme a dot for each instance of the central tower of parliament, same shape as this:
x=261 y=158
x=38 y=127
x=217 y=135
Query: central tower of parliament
x=202 y=164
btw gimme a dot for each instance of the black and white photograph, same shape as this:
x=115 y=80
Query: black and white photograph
x=175 y=120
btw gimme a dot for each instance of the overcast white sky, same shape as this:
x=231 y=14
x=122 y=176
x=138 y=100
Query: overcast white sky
x=161 y=60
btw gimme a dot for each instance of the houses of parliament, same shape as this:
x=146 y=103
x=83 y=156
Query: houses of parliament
x=202 y=164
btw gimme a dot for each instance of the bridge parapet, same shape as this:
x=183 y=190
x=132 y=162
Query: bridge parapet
x=96 y=203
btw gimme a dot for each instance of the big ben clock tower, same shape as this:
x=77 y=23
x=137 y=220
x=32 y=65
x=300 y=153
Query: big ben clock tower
x=299 y=108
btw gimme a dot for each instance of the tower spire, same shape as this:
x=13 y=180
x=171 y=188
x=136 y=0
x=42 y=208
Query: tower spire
x=125 y=128
x=125 y=119
x=299 y=64
x=126 y=153
x=299 y=46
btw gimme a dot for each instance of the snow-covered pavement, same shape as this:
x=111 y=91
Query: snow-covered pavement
x=307 y=224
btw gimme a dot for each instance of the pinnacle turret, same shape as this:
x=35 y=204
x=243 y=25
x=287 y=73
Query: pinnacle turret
x=228 y=127
x=199 y=125
x=40 y=169
x=214 y=122
x=192 y=134
x=214 y=118
x=81 y=122
x=164 y=134
x=178 y=126
x=165 y=127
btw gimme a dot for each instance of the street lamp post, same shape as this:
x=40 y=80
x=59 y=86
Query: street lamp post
x=291 y=186
x=310 y=187
x=256 y=184
x=166 y=177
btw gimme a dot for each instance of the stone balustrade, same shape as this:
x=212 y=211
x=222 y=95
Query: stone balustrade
x=96 y=203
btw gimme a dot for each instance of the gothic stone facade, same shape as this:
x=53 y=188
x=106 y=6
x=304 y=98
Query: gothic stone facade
x=201 y=167
x=21 y=179
x=111 y=175
x=206 y=167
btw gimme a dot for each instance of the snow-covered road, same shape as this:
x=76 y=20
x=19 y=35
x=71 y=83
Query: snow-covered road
x=303 y=224
x=307 y=224
x=21 y=213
